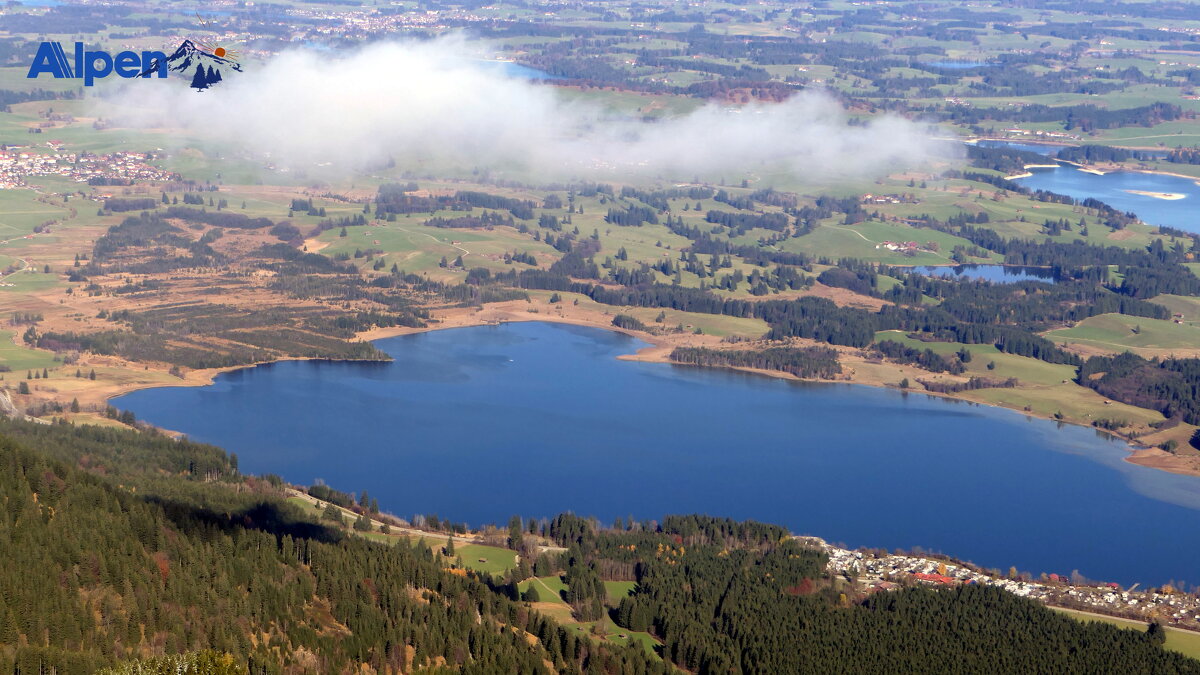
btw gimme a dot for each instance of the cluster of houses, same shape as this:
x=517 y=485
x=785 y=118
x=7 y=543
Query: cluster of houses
x=1060 y=135
x=886 y=572
x=901 y=246
x=889 y=199
x=338 y=22
x=18 y=163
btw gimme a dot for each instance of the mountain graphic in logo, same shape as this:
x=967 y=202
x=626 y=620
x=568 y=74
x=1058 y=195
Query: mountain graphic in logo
x=202 y=62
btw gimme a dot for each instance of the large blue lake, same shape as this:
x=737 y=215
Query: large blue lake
x=477 y=424
x=1114 y=190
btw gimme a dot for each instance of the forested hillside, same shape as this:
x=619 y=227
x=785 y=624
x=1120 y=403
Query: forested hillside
x=137 y=552
x=97 y=573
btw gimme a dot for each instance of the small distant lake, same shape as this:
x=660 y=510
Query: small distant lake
x=1052 y=150
x=1119 y=191
x=959 y=65
x=1048 y=150
x=1003 y=274
x=477 y=424
x=516 y=70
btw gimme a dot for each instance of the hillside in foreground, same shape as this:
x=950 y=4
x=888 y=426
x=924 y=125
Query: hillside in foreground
x=139 y=553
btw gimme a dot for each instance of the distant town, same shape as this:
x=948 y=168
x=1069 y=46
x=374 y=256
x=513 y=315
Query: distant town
x=875 y=571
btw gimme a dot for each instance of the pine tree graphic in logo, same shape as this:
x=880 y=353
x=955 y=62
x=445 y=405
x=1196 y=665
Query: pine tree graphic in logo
x=203 y=61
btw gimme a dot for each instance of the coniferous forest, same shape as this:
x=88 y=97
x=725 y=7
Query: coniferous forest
x=135 y=552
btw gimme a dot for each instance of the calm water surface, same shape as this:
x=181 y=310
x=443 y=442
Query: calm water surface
x=515 y=70
x=958 y=65
x=1003 y=274
x=477 y=424
x=1113 y=189
x=1027 y=147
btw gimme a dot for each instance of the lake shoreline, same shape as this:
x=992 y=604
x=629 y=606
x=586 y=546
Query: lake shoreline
x=1097 y=169
x=659 y=351
x=1106 y=169
x=661 y=347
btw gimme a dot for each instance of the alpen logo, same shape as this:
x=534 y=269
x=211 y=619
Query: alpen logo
x=203 y=61
x=89 y=65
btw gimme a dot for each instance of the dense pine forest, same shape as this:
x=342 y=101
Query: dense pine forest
x=135 y=552
x=807 y=362
x=106 y=570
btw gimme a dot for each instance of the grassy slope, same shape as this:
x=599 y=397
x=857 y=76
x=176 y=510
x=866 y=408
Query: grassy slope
x=1183 y=641
x=1044 y=389
x=551 y=603
x=1118 y=333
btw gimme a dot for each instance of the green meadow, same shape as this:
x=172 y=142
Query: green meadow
x=1027 y=370
x=551 y=603
x=1187 y=307
x=23 y=358
x=486 y=559
x=1118 y=332
x=1185 y=642
x=21 y=211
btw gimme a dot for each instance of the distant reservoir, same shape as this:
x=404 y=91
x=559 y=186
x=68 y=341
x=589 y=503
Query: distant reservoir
x=1157 y=199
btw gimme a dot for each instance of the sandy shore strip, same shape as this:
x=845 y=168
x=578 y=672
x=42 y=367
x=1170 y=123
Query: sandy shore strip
x=1157 y=195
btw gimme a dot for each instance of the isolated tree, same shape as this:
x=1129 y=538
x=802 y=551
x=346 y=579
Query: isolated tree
x=1156 y=634
x=514 y=533
x=23 y=388
x=333 y=513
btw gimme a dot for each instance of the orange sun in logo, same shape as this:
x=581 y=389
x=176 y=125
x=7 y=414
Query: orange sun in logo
x=217 y=50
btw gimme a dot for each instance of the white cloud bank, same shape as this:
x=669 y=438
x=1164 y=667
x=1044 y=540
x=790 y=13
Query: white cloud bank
x=429 y=104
